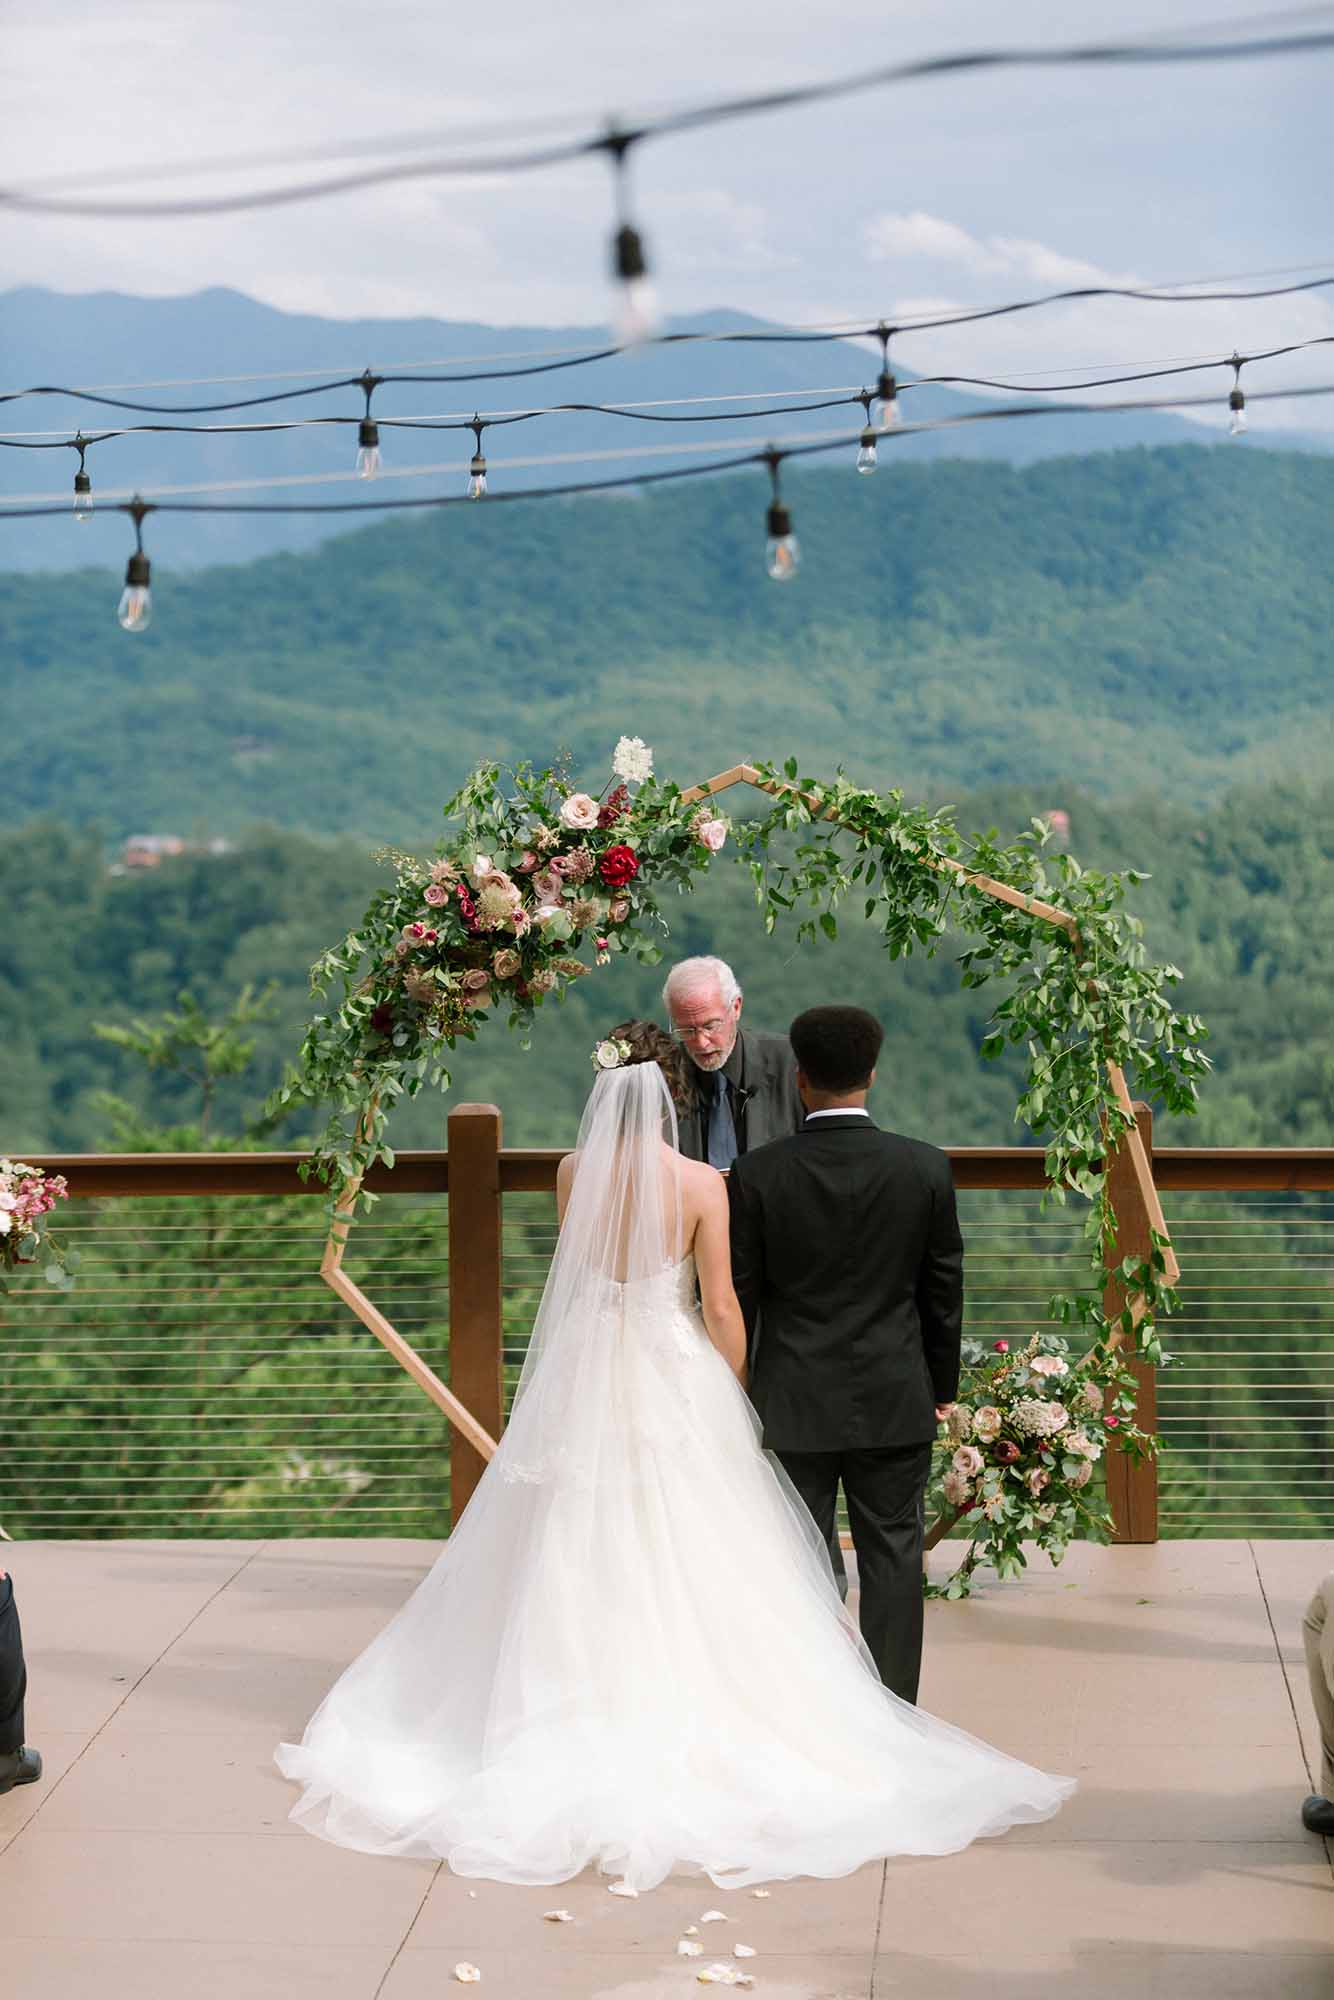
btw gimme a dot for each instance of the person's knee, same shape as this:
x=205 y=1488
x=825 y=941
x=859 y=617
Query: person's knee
x=1319 y=1609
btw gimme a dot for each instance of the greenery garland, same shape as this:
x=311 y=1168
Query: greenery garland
x=538 y=871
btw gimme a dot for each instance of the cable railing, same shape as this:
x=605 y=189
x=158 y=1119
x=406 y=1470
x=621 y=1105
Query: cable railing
x=200 y=1380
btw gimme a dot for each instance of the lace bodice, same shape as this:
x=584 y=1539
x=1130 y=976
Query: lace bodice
x=645 y=1348
x=672 y=1289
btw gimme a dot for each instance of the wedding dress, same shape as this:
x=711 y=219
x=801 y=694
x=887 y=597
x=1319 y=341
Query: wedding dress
x=631 y=1651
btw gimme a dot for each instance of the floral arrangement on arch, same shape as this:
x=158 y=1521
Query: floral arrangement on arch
x=27 y=1195
x=497 y=920
x=1017 y=1455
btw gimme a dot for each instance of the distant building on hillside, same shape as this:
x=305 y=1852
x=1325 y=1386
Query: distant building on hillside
x=146 y=850
x=150 y=850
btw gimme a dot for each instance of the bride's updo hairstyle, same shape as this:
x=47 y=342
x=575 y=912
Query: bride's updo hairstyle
x=651 y=1044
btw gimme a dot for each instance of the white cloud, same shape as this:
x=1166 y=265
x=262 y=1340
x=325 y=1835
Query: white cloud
x=888 y=238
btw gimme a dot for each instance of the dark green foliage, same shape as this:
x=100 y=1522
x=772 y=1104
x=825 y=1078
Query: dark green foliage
x=1132 y=621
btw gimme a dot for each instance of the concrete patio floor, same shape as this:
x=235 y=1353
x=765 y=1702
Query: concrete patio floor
x=155 y=1860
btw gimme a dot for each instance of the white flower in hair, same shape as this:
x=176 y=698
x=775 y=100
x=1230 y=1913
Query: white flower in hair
x=611 y=1055
x=632 y=760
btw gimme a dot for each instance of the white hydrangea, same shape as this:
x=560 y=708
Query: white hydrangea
x=632 y=760
x=1038 y=1419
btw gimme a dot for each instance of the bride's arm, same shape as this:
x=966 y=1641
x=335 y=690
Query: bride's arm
x=713 y=1262
x=564 y=1182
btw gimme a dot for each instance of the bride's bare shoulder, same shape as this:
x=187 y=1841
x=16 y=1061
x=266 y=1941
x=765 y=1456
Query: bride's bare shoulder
x=700 y=1180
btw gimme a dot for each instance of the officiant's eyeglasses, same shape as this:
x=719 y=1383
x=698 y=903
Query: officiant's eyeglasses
x=710 y=1028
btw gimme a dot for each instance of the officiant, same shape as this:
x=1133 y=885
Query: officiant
x=745 y=1081
x=745 y=1088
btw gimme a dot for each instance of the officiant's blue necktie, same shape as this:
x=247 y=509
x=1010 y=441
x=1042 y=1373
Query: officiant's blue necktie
x=722 y=1126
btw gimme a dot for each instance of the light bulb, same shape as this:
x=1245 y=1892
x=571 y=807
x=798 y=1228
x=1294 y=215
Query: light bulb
x=866 y=458
x=637 y=316
x=782 y=551
x=887 y=389
x=368 y=449
x=135 y=610
x=477 y=477
x=782 y=557
x=1236 y=402
x=83 y=496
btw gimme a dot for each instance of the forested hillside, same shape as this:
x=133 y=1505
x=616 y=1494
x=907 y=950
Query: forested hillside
x=1241 y=897
x=1131 y=623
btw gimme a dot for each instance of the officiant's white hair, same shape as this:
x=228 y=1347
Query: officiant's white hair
x=692 y=973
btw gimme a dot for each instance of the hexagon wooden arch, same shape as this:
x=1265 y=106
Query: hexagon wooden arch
x=1147 y=1208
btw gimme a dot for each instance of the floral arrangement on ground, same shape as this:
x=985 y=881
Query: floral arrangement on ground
x=1017 y=1457
x=27 y=1196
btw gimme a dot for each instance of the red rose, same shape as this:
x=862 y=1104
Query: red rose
x=1112 y=1423
x=618 y=866
x=382 y=1018
x=1001 y=1346
x=1005 y=1452
x=616 y=808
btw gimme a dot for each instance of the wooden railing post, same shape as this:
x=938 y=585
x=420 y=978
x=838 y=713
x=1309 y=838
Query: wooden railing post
x=475 y=1366
x=1132 y=1484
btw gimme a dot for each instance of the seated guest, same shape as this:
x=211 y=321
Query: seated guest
x=18 y=1764
x=1318 y=1632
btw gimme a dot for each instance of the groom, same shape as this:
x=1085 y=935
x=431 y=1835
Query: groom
x=848 y=1264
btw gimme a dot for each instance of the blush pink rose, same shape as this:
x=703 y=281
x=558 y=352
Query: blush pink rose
x=712 y=833
x=547 y=886
x=435 y=893
x=967 y=1461
x=579 y=811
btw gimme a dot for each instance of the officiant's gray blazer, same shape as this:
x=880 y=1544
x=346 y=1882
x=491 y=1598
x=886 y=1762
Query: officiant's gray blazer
x=762 y=1072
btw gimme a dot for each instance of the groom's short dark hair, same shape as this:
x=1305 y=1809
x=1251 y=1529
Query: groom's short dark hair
x=836 y=1047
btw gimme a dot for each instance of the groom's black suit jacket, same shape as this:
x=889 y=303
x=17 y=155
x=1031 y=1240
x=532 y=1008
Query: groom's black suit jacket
x=848 y=1264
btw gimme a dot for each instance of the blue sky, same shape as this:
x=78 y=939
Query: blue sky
x=951 y=192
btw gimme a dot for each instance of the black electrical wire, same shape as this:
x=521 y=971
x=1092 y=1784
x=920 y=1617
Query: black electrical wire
x=444 y=423
x=880 y=330
x=1149 y=51
x=766 y=456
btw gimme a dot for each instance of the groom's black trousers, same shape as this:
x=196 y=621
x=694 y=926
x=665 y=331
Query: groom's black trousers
x=13 y=1678
x=886 y=1493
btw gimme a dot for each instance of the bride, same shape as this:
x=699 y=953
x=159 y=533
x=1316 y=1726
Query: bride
x=631 y=1651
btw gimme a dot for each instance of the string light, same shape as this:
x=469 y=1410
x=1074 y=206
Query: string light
x=1236 y=401
x=887 y=388
x=637 y=317
x=135 y=610
x=368 y=432
x=782 y=551
x=477 y=469
x=83 y=485
x=866 y=457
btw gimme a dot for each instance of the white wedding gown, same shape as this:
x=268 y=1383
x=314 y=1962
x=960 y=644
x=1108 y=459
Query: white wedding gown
x=632 y=1653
